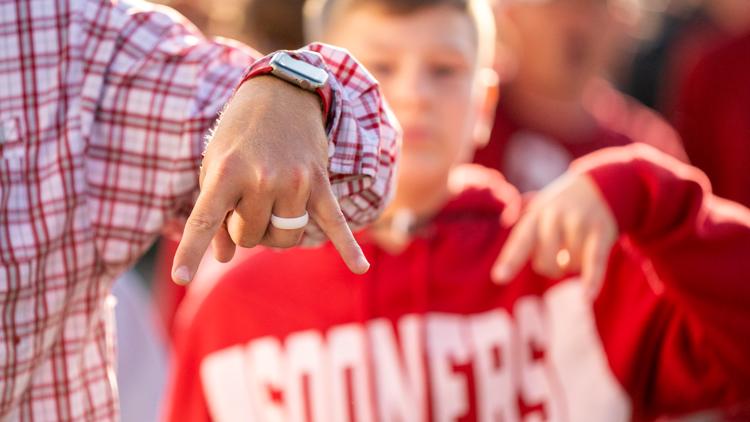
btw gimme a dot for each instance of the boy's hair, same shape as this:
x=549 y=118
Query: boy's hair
x=319 y=15
x=274 y=25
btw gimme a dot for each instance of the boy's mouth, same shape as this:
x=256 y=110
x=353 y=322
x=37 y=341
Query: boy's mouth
x=416 y=134
x=576 y=51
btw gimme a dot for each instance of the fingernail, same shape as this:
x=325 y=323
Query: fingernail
x=363 y=263
x=501 y=274
x=182 y=275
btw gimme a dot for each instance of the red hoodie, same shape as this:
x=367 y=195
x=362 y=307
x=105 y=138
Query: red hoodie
x=425 y=335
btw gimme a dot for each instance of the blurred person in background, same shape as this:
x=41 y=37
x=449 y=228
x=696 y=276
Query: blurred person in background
x=266 y=25
x=426 y=335
x=142 y=363
x=555 y=103
x=681 y=32
x=275 y=25
x=712 y=114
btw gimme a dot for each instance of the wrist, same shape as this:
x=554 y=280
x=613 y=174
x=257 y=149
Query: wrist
x=281 y=104
x=618 y=180
x=298 y=73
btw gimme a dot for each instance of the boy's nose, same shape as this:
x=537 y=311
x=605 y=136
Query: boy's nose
x=412 y=89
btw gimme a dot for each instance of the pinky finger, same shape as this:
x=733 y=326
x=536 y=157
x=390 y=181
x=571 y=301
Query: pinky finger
x=325 y=210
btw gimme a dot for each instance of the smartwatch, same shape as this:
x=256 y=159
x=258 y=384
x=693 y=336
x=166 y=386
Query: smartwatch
x=297 y=72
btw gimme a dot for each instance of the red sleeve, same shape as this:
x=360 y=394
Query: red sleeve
x=692 y=331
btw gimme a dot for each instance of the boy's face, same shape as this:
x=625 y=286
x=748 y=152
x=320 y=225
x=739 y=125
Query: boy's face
x=559 y=44
x=427 y=66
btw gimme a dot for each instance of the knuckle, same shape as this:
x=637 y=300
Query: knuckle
x=223 y=167
x=243 y=237
x=318 y=174
x=202 y=222
x=320 y=171
x=265 y=178
x=245 y=241
x=283 y=240
x=299 y=179
x=332 y=219
x=247 y=244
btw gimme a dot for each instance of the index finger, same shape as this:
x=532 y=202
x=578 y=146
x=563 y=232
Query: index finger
x=516 y=251
x=206 y=218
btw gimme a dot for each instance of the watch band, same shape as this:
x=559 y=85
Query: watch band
x=263 y=67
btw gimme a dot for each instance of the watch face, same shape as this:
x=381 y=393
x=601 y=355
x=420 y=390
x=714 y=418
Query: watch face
x=304 y=74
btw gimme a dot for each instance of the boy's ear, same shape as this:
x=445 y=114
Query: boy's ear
x=489 y=84
x=507 y=44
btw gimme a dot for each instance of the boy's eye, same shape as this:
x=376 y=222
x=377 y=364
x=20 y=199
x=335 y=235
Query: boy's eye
x=380 y=69
x=444 y=70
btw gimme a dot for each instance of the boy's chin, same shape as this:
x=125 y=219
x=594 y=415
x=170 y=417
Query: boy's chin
x=423 y=169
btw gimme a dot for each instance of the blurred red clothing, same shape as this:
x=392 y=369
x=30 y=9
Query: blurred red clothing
x=530 y=158
x=713 y=117
x=692 y=44
x=426 y=335
x=167 y=294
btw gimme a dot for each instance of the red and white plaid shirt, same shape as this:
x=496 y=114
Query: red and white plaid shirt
x=104 y=106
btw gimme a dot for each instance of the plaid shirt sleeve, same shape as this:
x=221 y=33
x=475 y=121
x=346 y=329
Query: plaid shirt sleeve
x=104 y=106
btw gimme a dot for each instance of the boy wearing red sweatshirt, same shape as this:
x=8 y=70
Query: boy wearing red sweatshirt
x=426 y=334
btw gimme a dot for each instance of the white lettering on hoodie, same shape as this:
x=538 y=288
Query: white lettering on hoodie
x=546 y=354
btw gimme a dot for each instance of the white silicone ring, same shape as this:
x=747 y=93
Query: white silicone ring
x=295 y=223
